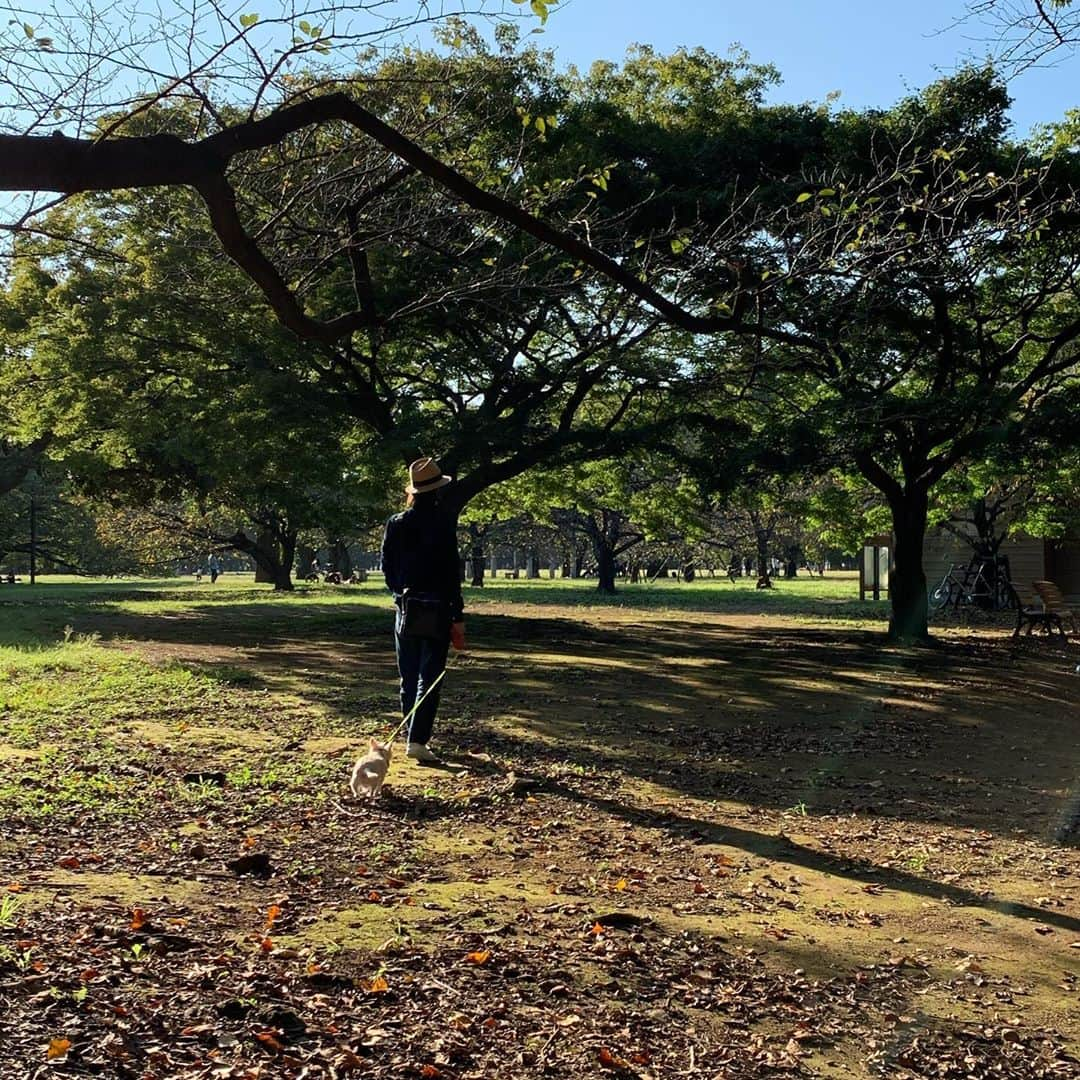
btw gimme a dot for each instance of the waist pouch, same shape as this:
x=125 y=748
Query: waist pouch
x=423 y=615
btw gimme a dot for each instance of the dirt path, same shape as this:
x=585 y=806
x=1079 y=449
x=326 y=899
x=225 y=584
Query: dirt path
x=661 y=846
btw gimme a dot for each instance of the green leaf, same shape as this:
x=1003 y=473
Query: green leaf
x=805 y=197
x=28 y=30
x=540 y=9
x=679 y=244
x=305 y=27
x=249 y=20
x=540 y=124
x=825 y=192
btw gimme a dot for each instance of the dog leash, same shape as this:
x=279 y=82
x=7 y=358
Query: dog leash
x=348 y=813
x=412 y=712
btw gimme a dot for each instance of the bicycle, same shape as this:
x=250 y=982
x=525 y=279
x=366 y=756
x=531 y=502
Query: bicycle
x=975 y=584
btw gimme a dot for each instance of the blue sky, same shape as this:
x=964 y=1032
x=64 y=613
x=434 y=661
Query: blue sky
x=871 y=51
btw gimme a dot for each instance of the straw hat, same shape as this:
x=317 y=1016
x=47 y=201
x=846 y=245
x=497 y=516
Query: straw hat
x=425 y=475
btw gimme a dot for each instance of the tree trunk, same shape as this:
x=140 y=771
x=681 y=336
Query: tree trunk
x=476 y=555
x=265 y=556
x=605 y=567
x=604 y=553
x=907 y=585
x=340 y=559
x=305 y=558
x=273 y=556
x=764 y=581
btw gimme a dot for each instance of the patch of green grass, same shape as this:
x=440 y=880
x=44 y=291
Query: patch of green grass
x=80 y=691
x=832 y=597
x=9 y=910
x=235 y=604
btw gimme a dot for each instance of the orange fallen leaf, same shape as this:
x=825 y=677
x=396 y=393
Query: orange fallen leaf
x=481 y=956
x=596 y=930
x=16 y=886
x=138 y=918
x=378 y=985
x=611 y=1061
x=250 y=841
x=58 y=1048
x=89 y=974
x=266 y=945
x=272 y=915
x=270 y=1039
x=430 y=1072
x=374 y=897
x=70 y=862
x=621 y=885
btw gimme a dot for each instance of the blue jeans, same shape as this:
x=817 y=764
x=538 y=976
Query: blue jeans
x=420 y=662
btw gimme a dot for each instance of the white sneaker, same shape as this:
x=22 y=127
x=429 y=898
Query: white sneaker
x=419 y=752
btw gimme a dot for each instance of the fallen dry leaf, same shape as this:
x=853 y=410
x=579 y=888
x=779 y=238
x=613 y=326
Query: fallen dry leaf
x=57 y=1048
x=481 y=956
x=378 y=985
x=138 y=918
x=270 y=1039
x=610 y=1061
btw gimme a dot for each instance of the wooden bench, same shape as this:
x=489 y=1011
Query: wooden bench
x=1031 y=616
x=1054 y=602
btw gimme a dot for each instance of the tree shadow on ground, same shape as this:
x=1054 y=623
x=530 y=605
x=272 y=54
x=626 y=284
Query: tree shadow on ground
x=775 y=847
x=976 y=735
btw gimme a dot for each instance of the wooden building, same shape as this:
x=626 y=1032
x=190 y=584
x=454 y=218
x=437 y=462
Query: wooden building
x=1030 y=559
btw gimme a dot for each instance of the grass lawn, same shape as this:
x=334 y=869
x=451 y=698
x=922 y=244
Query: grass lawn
x=688 y=831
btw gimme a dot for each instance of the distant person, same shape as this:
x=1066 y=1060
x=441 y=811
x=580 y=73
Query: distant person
x=420 y=562
x=214 y=566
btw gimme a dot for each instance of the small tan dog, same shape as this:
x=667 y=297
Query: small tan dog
x=370 y=771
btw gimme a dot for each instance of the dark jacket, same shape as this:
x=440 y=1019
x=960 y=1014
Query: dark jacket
x=420 y=552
